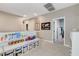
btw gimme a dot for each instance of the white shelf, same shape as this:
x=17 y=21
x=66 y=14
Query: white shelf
x=11 y=47
x=5 y=47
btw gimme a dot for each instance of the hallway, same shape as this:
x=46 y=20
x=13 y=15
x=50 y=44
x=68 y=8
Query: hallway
x=47 y=49
x=21 y=26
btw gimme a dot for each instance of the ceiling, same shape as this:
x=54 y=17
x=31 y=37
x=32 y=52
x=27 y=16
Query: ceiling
x=30 y=9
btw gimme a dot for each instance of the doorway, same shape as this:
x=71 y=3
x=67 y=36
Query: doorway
x=27 y=27
x=58 y=30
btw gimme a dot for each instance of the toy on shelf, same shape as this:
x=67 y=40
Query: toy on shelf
x=25 y=48
x=9 y=53
x=16 y=42
x=2 y=37
x=1 y=54
x=18 y=51
x=30 y=38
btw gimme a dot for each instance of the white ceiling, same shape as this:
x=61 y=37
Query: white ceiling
x=30 y=9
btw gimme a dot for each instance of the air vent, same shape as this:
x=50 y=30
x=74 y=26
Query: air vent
x=49 y=6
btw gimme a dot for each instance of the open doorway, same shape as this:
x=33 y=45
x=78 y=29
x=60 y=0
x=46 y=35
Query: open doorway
x=27 y=27
x=58 y=30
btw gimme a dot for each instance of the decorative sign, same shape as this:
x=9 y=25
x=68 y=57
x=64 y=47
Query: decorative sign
x=45 y=26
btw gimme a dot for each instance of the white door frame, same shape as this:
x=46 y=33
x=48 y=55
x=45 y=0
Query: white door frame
x=63 y=17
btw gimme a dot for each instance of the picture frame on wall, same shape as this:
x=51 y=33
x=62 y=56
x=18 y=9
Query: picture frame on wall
x=37 y=26
x=45 y=26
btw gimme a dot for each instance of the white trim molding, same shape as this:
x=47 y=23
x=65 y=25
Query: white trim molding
x=67 y=45
x=48 y=41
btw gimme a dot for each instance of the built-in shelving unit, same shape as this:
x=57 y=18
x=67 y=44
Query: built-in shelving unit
x=17 y=43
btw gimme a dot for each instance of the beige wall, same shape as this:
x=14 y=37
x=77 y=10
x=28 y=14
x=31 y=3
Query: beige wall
x=10 y=22
x=71 y=20
x=31 y=25
x=71 y=15
x=45 y=34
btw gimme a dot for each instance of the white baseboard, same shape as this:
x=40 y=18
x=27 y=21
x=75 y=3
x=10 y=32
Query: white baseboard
x=70 y=48
x=48 y=41
x=67 y=45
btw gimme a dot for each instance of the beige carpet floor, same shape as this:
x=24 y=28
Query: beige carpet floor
x=49 y=49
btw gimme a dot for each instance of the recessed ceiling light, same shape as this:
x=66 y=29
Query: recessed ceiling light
x=35 y=14
x=24 y=16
